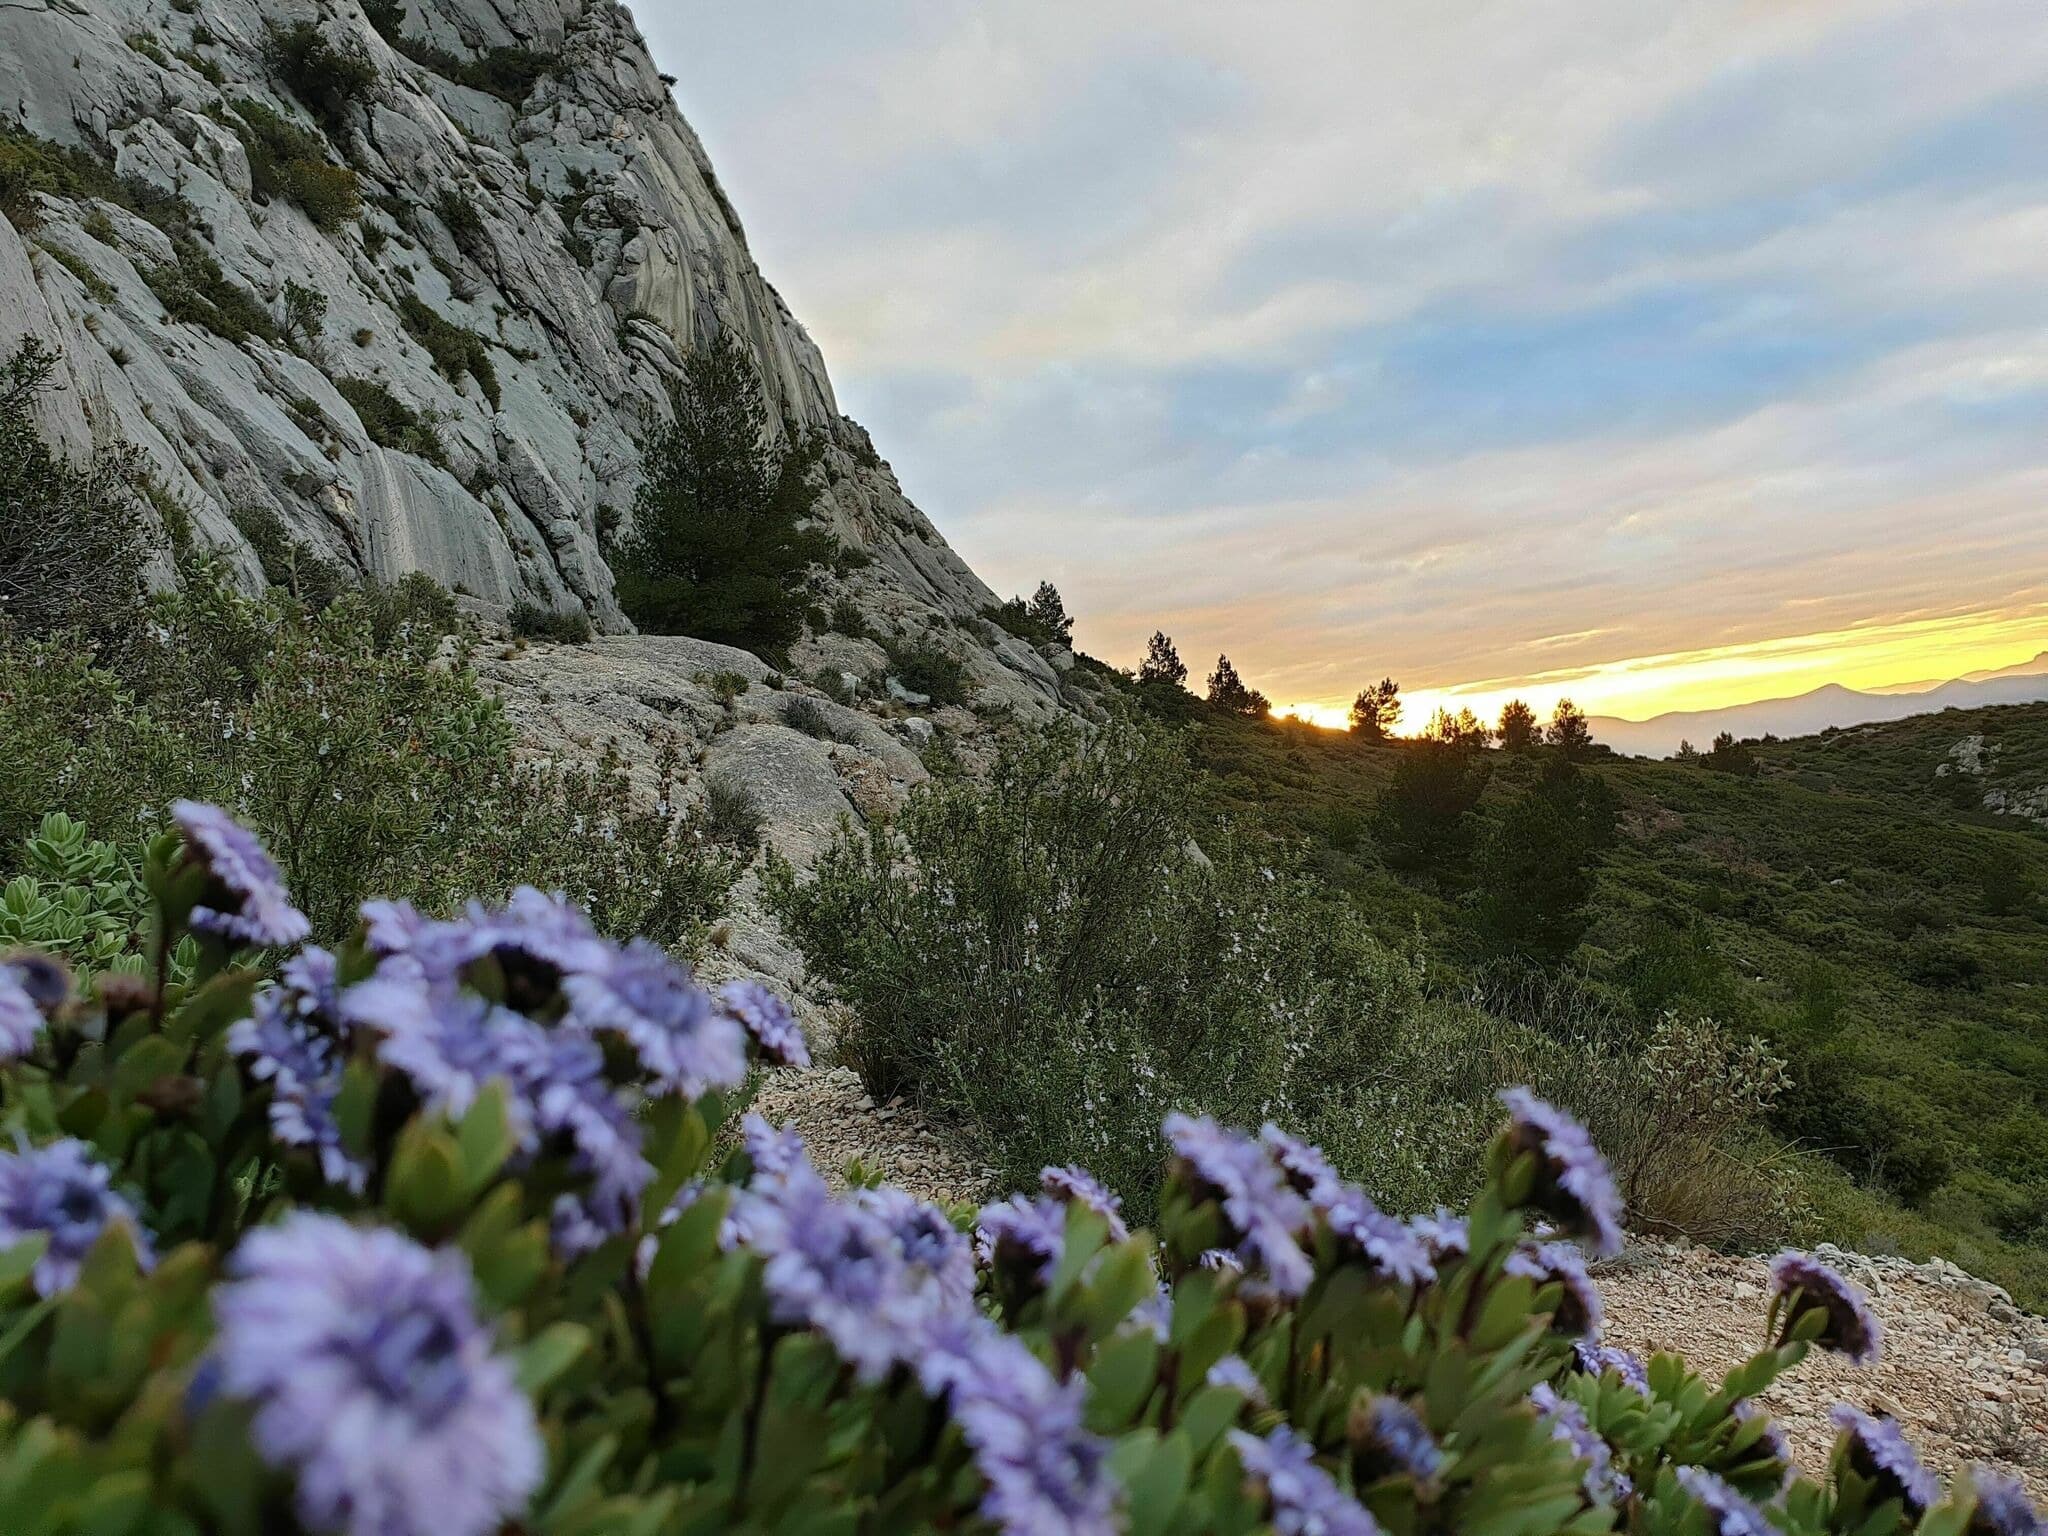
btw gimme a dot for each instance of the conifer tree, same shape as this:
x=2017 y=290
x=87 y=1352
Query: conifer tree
x=1569 y=732
x=1162 y=663
x=1518 y=729
x=1376 y=710
x=1227 y=691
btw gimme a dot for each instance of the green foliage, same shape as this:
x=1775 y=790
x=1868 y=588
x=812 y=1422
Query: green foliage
x=30 y=165
x=1569 y=733
x=1518 y=729
x=1042 y=621
x=508 y=73
x=531 y=621
x=1162 y=666
x=1376 y=710
x=328 y=79
x=1727 y=755
x=78 y=898
x=456 y=350
x=465 y=224
x=718 y=546
x=732 y=815
x=302 y=318
x=72 y=532
x=288 y=562
x=926 y=664
x=192 y=288
x=390 y=422
x=291 y=162
x=1425 y=814
x=1537 y=864
x=1227 y=692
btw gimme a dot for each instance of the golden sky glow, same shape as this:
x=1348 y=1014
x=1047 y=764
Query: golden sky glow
x=1871 y=657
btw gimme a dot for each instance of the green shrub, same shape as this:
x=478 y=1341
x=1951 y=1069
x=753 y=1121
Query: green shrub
x=30 y=165
x=508 y=73
x=465 y=224
x=193 y=289
x=456 y=350
x=718 y=546
x=289 y=563
x=732 y=815
x=563 y=626
x=847 y=619
x=925 y=665
x=1424 y=817
x=390 y=422
x=72 y=531
x=328 y=79
x=809 y=716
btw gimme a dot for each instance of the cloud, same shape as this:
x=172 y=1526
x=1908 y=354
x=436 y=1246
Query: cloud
x=1453 y=341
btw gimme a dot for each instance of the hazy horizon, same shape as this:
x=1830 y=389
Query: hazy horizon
x=1665 y=360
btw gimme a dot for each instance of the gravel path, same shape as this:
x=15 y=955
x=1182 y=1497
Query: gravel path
x=1963 y=1369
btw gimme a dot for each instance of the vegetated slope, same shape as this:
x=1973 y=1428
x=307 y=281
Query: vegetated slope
x=414 y=280
x=1893 y=947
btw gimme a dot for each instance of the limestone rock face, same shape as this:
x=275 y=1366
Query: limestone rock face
x=578 y=234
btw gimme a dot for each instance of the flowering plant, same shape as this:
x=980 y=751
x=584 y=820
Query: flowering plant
x=445 y=1232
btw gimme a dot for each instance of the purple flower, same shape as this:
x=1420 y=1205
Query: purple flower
x=1772 y=1440
x=776 y=1154
x=21 y=1021
x=935 y=1255
x=290 y=1042
x=1304 y=1499
x=1443 y=1236
x=559 y=1077
x=2002 y=1506
x=1307 y=1171
x=685 y=1045
x=244 y=900
x=1598 y=1359
x=1045 y=1475
x=1801 y=1285
x=1261 y=1212
x=59 y=1192
x=537 y=939
x=1879 y=1454
x=1389 y=1439
x=373 y=1381
x=1573 y=1185
x=1568 y=1423
x=1021 y=1241
x=1232 y=1373
x=1075 y=1185
x=1733 y=1515
x=1385 y=1245
x=1154 y=1314
x=837 y=1269
x=1579 y=1313
x=767 y=1020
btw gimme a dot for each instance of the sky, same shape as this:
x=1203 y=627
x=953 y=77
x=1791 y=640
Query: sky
x=1661 y=356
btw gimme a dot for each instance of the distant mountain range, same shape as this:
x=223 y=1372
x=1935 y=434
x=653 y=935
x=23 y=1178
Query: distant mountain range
x=2025 y=682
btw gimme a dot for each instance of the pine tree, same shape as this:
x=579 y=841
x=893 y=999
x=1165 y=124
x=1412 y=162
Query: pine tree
x=717 y=547
x=1569 y=732
x=1518 y=729
x=1463 y=729
x=1162 y=663
x=1537 y=867
x=1050 y=614
x=1227 y=691
x=1376 y=710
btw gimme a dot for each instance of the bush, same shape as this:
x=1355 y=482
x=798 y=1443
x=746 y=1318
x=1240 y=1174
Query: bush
x=289 y=563
x=71 y=532
x=809 y=716
x=1424 y=818
x=717 y=546
x=456 y=349
x=287 y=161
x=254 y=1209
x=31 y=165
x=329 y=80
x=531 y=621
x=1057 y=940
x=390 y=422
x=192 y=288
x=731 y=813
x=925 y=665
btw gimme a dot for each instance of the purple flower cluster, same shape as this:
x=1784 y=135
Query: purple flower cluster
x=1046 y=1475
x=685 y=1044
x=1568 y=1423
x=1573 y=1185
x=1579 y=1312
x=1387 y=1247
x=1443 y=1236
x=1304 y=1167
x=373 y=1382
x=1235 y=1375
x=1303 y=1498
x=767 y=1019
x=59 y=1193
x=1074 y=1185
x=937 y=1259
x=1021 y=1240
x=1773 y=1438
x=2003 y=1508
x=33 y=986
x=1389 y=1439
x=244 y=900
x=1598 y=1359
x=1261 y=1210
x=1878 y=1452
x=293 y=1041
x=1801 y=1285
x=1731 y=1514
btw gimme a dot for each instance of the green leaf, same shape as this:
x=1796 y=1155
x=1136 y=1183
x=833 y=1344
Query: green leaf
x=484 y=1139
x=544 y=1357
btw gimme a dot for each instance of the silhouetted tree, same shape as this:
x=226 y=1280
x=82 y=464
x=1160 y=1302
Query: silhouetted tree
x=1569 y=732
x=1162 y=663
x=1227 y=691
x=1049 y=613
x=1727 y=755
x=1463 y=729
x=1518 y=729
x=1424 y=816
x=1687 y=752
x=1376 y=710
x=717 y=548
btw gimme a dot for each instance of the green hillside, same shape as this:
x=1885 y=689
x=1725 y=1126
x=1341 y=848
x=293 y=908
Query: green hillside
x=1859 y=909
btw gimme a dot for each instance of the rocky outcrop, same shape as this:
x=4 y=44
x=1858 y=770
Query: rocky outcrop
x=529 y=264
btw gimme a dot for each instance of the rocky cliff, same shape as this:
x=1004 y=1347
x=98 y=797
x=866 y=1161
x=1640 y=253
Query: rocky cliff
x=515 y=235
